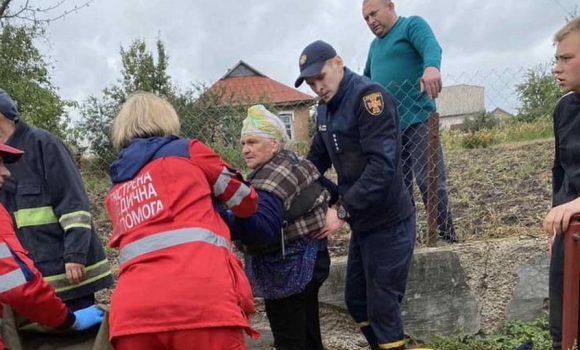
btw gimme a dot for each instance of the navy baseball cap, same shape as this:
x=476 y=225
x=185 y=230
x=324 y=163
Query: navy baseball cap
x=312 y=59
x=8 y=106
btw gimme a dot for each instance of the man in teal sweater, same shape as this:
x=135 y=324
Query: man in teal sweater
x=405 y=58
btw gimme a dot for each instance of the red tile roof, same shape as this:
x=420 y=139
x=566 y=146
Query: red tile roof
x=256 y=89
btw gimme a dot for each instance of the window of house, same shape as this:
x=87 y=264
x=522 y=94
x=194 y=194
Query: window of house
x=288 y=117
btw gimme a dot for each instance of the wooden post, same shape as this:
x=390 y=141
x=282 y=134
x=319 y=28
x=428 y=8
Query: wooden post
x=571 y=284
x=432 y=172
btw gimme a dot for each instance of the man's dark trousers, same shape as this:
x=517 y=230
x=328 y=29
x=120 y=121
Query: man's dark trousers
x=376 y=279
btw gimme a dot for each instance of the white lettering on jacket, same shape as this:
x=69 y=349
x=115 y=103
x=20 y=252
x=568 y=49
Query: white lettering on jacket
x=134 y=202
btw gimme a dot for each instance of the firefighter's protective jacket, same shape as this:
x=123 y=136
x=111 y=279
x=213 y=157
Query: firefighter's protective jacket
x=46 y=196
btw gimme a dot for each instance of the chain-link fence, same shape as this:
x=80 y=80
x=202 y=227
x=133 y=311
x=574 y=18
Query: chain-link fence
x=480 y=165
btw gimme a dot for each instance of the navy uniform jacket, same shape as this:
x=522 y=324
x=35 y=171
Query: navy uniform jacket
x=358 y=133
x=46 y=196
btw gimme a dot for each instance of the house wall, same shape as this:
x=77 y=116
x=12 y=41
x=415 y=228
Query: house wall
x=460 y=100
x=451 y=122
x=501 y=114
x=454 y=121
x=301 y=124
x=300 y=121
x=241 y=71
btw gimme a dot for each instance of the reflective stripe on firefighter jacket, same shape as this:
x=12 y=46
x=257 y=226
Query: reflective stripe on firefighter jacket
x=21 y=285
x=177 y=270
x=46 y=196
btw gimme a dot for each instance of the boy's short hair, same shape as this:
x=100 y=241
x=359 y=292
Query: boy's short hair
x=573 y=26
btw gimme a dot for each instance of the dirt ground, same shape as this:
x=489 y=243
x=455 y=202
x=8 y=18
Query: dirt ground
x=489 y=265
x=502 y=191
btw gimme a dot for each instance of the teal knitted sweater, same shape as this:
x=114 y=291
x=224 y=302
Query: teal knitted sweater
x=397 y=61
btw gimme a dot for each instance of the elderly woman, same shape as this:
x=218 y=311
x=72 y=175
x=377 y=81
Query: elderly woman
x=180 y=286
x=286 y=256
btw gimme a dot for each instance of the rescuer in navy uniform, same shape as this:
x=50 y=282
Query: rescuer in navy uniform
x=358 y=134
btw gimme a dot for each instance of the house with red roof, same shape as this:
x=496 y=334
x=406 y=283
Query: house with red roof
x=243 y=85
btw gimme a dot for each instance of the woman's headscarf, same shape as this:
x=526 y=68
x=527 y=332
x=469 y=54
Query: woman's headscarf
x=262 y=122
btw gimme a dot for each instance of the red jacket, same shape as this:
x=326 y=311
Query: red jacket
x=21 y=285
x=177 y=270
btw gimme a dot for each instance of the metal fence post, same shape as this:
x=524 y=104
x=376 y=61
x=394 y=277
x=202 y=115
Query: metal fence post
x=571 y=284
x=432 y=171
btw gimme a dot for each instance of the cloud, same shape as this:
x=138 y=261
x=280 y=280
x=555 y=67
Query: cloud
x=204 y=38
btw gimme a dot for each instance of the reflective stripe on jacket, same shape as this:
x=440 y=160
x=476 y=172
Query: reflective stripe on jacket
x=46 y=196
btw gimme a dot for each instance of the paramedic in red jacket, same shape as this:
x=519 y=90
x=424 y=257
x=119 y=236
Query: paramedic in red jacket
x=21 y=285
x=180 y=286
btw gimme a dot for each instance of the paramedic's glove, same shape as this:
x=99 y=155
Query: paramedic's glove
x=88 y=317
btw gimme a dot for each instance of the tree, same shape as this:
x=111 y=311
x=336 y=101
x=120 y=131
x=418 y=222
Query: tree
x=25 y=75
x=483 y=121
x=141 y=72
x=214 y=116
x=37 y=12
x=538 y=93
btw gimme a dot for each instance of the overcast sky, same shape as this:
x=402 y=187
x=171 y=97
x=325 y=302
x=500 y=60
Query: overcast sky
x=484 y=42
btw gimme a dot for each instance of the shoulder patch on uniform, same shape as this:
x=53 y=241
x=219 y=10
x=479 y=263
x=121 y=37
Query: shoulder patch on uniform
x=374 y=103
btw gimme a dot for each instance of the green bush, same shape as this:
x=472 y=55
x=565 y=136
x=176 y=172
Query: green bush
x=301 y=148
x=510 y=337
x=232 y=154
x=516 y=130
x=480 y=139
x=512 y=130
x=484 y=121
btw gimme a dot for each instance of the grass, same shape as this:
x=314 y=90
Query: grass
x=501 y=190
x=504 y=189
x=510 y=337
x=509 y=132
x=97 y=185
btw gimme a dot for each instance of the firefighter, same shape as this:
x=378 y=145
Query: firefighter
x=47 y=198
x=21 y=285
